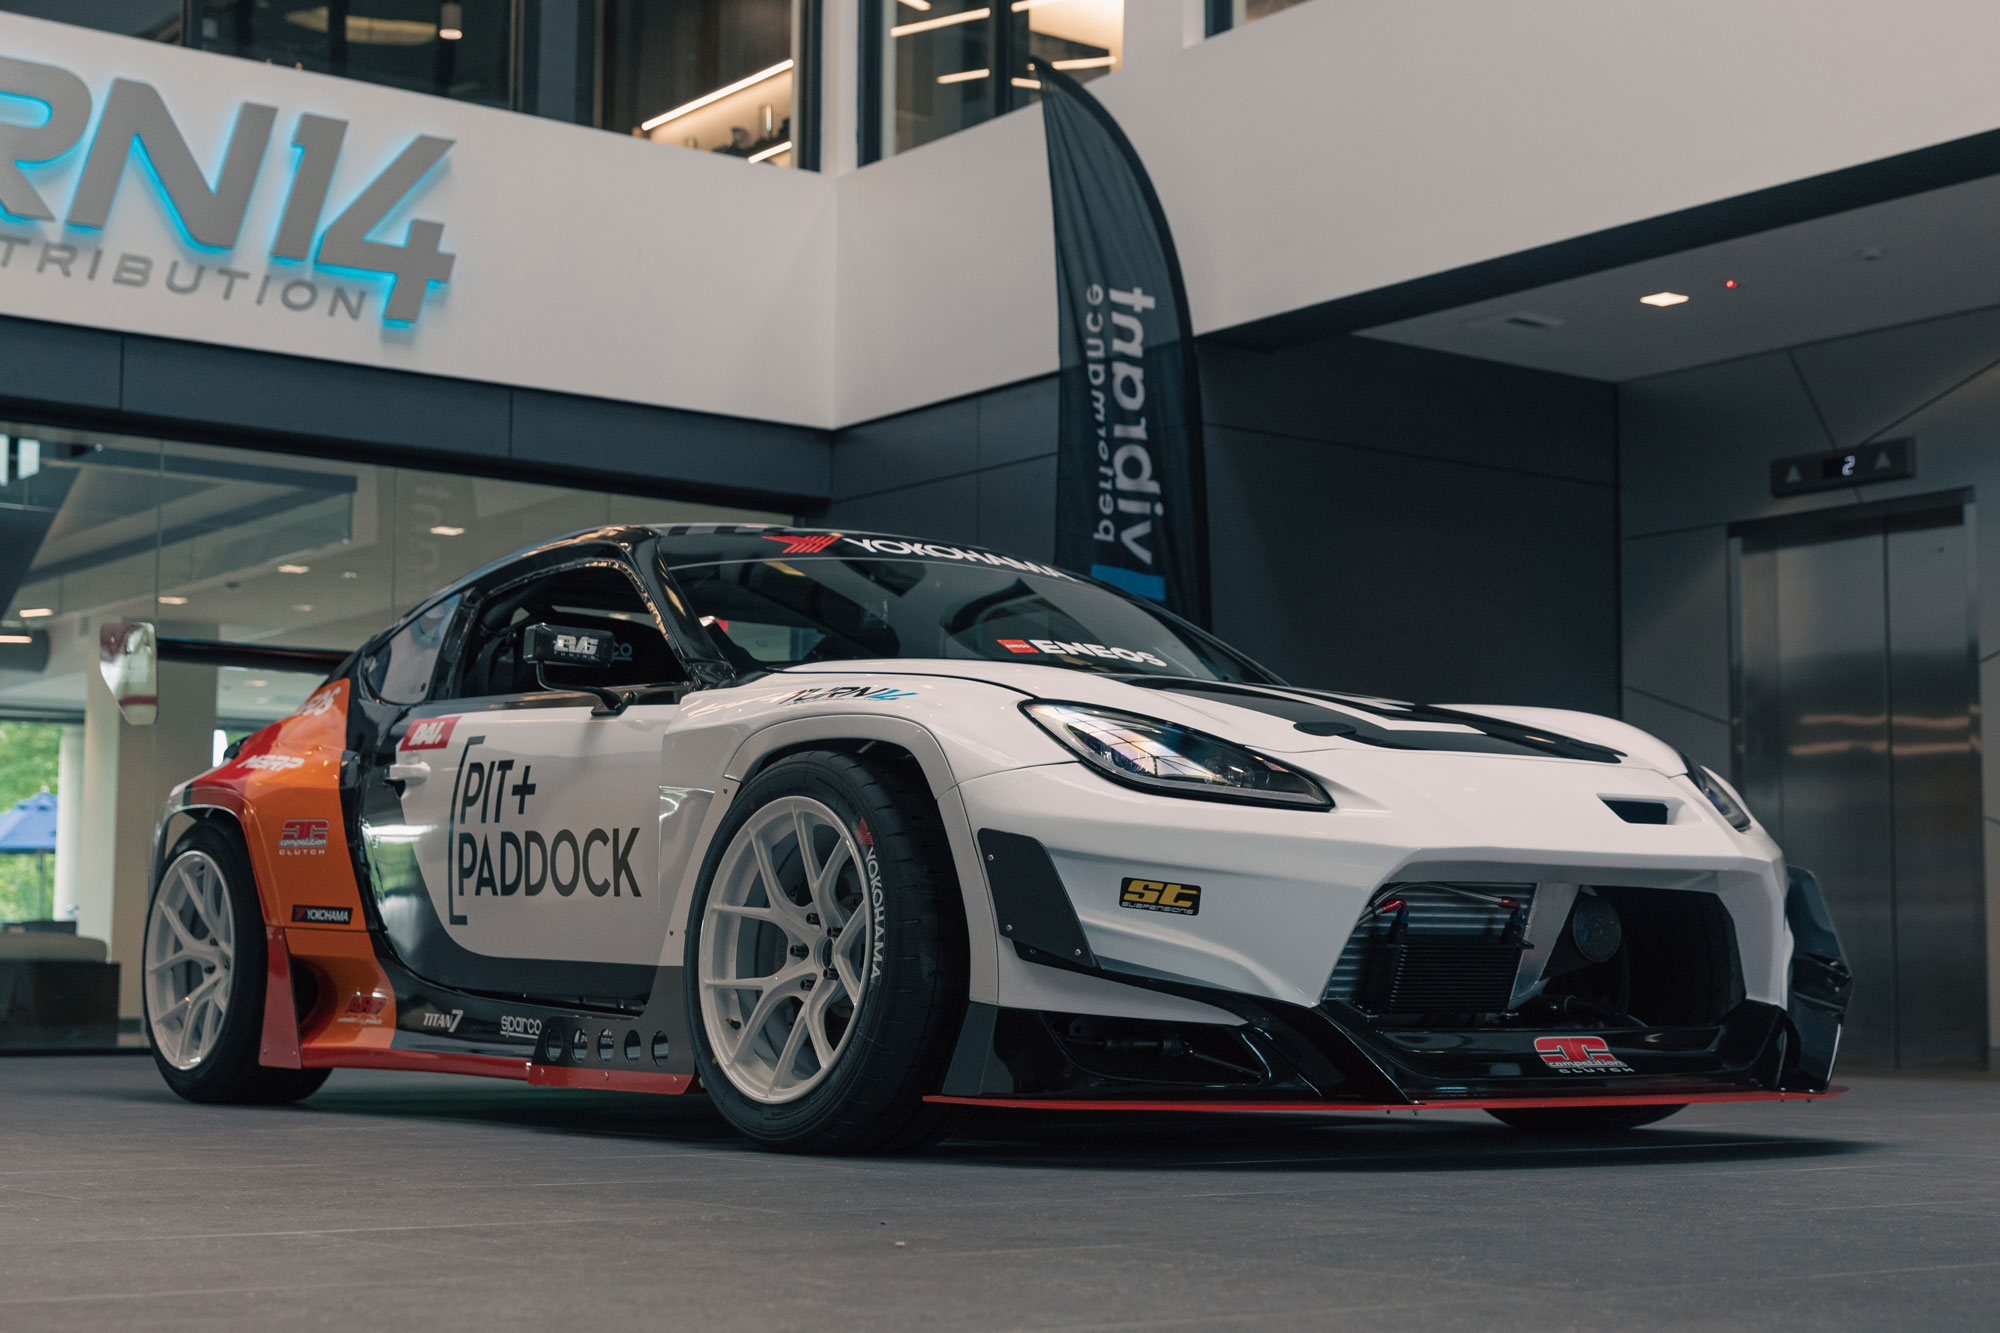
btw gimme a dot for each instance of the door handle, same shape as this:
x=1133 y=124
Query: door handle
x=411 y=772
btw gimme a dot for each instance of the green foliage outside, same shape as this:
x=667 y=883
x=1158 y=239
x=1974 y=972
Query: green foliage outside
x=28 y=761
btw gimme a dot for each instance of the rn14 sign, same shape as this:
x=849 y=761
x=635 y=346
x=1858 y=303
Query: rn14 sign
x=135 y=117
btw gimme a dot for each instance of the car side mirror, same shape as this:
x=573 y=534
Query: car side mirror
x=128 y=656
x=562 y=645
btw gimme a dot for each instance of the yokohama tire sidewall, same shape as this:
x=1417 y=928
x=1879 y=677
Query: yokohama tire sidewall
x=903 y=942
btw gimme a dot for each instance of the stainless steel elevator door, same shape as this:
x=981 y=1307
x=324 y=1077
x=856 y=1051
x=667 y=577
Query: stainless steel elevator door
x=1856 y=737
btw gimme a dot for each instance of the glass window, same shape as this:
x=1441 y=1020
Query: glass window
x=216 y=543
x=941 y=65
x=778 y=613
x=1226 y=14
x=701 y=74
x=155 y=20
x=460 y=50
x=400 y=671
x=594 y=597
x=1083 y=38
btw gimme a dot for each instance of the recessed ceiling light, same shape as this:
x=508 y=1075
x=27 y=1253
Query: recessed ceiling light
x=302 y=606
x=451 y=20
x=17 y=638
x=1663 y=299
x=349 y=574
x=301 y=569
x=32 y=612
x=256 y=684
x=172 y=601
x=446 y=530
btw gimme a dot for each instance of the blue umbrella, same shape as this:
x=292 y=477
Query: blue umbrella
x=29 y=829
x=30 y=826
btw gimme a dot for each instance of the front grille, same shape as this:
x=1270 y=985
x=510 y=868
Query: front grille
x=1434 y=948
x=1448 y=975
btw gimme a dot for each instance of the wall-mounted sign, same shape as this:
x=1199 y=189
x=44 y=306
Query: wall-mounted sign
x=136 y=122
x=152 y=190
x=1801 y=474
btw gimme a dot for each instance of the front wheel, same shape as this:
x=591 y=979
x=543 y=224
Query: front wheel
x=826 y=959
x=1578 y=1120
x=203 y=986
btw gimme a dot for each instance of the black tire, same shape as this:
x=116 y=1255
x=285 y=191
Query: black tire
x=871 y=1100
x=229 y=1072
x=1583 y=1120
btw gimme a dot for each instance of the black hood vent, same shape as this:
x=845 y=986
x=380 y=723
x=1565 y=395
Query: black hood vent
x=1360 y=719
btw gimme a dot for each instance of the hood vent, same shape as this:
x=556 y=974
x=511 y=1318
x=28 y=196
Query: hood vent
x=1640 y=812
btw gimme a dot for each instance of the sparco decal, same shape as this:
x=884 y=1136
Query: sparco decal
x=500 y=851
x=827 y=693
x=447 y=1022
x=1058 y=648
x=321 y=916
x=1579 y=1055
x=520 y=1029
x=211 y=217
x=932 y=551
x=871 y=866
x=272 y=763
x=365 y=1010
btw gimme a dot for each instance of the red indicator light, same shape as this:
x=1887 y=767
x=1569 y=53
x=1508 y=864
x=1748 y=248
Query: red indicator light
x=1729 y=283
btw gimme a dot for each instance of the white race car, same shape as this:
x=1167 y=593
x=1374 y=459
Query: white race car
x=847 y=829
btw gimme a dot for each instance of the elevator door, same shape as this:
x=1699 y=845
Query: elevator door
x=1857 y=734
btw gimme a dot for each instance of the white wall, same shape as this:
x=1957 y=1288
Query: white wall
x=1337 y=147
x=587 y=262
x=1346 y=145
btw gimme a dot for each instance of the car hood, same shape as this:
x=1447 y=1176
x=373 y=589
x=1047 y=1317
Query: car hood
x=1294 y=720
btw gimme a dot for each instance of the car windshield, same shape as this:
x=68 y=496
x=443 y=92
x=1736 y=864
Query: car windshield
x=766 y=614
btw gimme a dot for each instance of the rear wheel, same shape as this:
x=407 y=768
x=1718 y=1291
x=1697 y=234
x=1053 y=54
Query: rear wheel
x=203 y=987
x=1583 y=1119
x=826 y=958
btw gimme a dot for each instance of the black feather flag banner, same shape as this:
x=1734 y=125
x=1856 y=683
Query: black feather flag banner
x=1131 y=507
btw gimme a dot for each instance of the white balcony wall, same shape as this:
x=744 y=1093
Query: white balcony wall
x=1347 y=145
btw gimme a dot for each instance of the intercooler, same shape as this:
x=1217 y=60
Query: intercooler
x=1435 y=948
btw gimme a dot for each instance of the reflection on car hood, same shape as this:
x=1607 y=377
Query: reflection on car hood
x=1292 y=719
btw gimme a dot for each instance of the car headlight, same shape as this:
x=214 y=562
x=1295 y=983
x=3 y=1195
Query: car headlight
x=1718 y=794
x=1173 y=760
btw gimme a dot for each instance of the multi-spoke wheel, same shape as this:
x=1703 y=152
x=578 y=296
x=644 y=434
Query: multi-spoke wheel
x=190 y=959
x=203 y=986
x=784 y=965
x=826 y=957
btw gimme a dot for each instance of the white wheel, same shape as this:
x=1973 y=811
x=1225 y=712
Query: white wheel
x=190 y=959
x=785 y=949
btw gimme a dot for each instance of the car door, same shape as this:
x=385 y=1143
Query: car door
x=514 y=819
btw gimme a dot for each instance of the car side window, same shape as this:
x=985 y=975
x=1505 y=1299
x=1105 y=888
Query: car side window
x=400 y=671
x=599 y=596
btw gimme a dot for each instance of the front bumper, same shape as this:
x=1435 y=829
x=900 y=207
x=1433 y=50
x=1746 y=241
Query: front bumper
x=1278 y=1053
x=1329 y=1057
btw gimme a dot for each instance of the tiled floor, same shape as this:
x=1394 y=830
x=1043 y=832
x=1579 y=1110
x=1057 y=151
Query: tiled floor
x=438 y=1204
